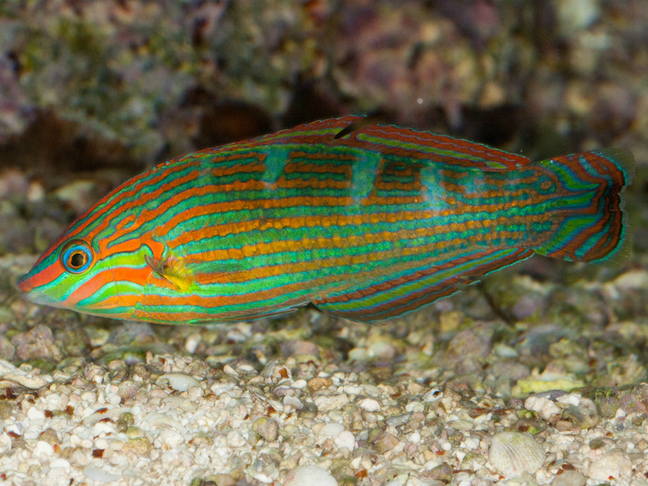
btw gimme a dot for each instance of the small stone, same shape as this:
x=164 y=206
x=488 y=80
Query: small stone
x=60 y=463
x=346 y=440
x=442 y=472
x=138 y=445
x=43 y=450
x=96 y=474
x=583 y=416
x=36 y=344
x=382 y=350
x=336 y=402
x=223 y=480
x=171 y=438
x=125 y=421
x=450 y=321
x=370 y=405
x=330 y=431
x=385 y=443
x=35 y=415
x=569 y=478
x=595 y=444
x=11 y=373
x=613 y=465
x=267 y=428
x=292 y=402
x=79 y=457
x=50 y=436
x=178 y=381
x=474 y=342
x=309 y=476
x=543 y=406
x=398 y=419
x=7 y=350
x=5 y=443
x=6 y=409
x=235 y=439
x=514 y=453
x=319 y=383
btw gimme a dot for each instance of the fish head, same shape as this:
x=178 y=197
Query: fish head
x=88 y=276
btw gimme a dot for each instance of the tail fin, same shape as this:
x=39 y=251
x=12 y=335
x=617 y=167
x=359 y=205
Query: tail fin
x=594 y=226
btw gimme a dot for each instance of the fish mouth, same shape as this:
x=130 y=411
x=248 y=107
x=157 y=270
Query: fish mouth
x=24 y=283
x=35 y=296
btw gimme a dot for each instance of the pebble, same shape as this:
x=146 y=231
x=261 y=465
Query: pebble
x=235 y=439
x=171 y=438
x=543 y=406
x=11 y=373
x=267 y=428
x=292 y=402
x=331 y=431
x=370 y=405
x=613 y=465
x=178 y=381
x=569 y=478
x=36 y=344
x=43 y=450
x=7 y=350
x=96 y=474
x=5 y=443
x=346 y=440
x=442 y=472
x=514 y=453
x=335 y=402
x=309 y=476
x=385 y=443
x=399 y=419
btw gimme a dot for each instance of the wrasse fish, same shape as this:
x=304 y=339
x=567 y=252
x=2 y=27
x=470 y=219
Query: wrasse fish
x=366 y=221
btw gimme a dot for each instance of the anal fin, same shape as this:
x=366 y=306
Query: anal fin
x=386 y=298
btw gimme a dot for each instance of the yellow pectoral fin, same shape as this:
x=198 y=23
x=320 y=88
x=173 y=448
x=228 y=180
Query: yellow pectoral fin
x=173 y=271
x=181 y=283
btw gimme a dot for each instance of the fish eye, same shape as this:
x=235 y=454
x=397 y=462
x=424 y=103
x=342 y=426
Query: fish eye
x=77 y=256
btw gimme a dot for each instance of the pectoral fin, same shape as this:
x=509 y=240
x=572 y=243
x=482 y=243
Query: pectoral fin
x=186 y=272
x=172 y=269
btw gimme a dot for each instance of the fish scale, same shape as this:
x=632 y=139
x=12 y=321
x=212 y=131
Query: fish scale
x=369 y=226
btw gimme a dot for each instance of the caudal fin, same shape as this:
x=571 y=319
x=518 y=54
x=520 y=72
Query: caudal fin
x=592 y=224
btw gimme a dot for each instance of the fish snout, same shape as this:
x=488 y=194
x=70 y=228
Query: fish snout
x=24 y=283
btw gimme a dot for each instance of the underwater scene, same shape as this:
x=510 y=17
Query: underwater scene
x=324 y=242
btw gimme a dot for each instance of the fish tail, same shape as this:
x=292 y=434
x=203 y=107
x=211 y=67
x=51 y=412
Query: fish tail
x=590 y=223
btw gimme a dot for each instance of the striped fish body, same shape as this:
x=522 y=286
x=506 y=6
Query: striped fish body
x=366 y=221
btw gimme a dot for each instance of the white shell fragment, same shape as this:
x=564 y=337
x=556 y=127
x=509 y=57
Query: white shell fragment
x=99 y=475
x=370 y=405
x=514 y=453
x=613 y=465
x=178 y=381
x=341 y=437
x=309 y=476
x=331 y=431
x=544 y=407
x=10 y=373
